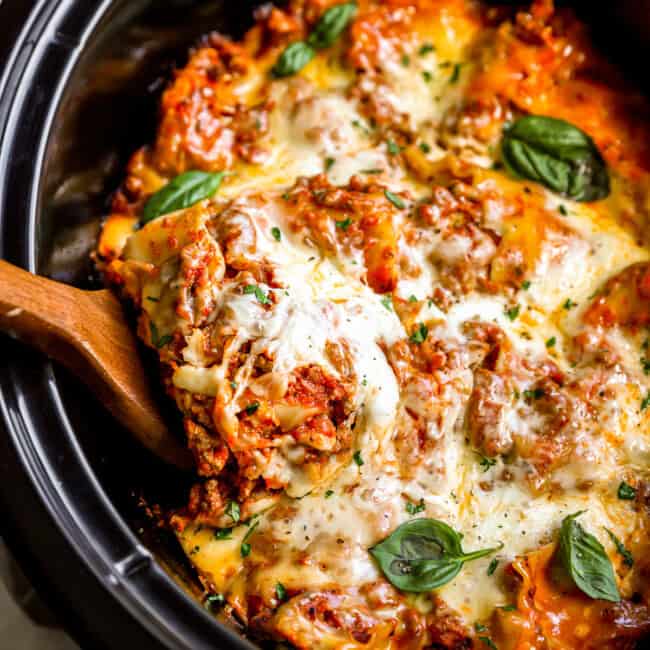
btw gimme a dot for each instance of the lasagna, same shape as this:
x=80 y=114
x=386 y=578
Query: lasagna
x=393 y=257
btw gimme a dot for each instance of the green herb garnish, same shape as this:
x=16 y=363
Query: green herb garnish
x=420 y=334
x=415 y=508
x=280 y=591
x=586 y=561
x=252 y=408
x=257 y=292
x=556 y=154
x=513 y=312
x=422 y=555
x=626 y=492
x=233 y=511
x=157 y=340
x=394 y=199
x=628 y=560
x=182 y=192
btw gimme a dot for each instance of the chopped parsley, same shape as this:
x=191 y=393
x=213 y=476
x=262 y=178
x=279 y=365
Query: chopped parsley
x=393 y=147
x=329 y=163
x=569 y=304
x=455 y=75
x=414 y=508
x=157 y=340
x=277 y=234
x=525 y=285
x=329 y=493
x=245 y=548
x=394 y=199
x=488 y=642
x=551 y=342
x=479 y=627
x=424 y=147
x=387 y=302
x=213 y=600
x=645 y=402
x=357 y=458
x=562 y=210
x=258 y=293
x=626 y=492
x=372 y=170
x=513 y=312
x=426 y=49
x=628 y=560
x=486 y=462
x=492 y=567
x=508 y=608
x=537 y=393
x=233 y=511
x=344 y=224
x=412 y=298
x=252 y=408
x=280 y=591
x=427 y=76
x=153 y=299
x=406 y=60
x=361 y=126
x=420 y=334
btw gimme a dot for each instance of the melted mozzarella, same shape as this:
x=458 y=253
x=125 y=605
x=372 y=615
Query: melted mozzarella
x=320 y=302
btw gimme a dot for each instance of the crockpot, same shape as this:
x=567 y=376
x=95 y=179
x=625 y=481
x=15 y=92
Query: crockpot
x=78 y=92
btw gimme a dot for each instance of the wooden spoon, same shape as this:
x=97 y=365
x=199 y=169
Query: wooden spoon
x=86 y=332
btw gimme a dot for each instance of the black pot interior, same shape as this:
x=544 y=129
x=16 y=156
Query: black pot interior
x=108 y=109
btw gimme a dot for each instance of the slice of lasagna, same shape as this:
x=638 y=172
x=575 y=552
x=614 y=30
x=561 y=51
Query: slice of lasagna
x=393 y=257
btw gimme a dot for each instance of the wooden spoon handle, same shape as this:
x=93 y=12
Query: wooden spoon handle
x=86 y=331
x=38 y=311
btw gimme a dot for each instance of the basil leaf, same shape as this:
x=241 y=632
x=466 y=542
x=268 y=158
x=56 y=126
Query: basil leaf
x=182 y=192
x=331 y=25
x=423 y=554
x=586 y=561
x=294 y=58
x=556 y=154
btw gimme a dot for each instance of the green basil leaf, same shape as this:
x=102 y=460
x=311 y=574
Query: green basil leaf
x=294 y=58
x=586 y=561
x=556 y=154
x=423 y=554
x=182 y=192
x=331 y=25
